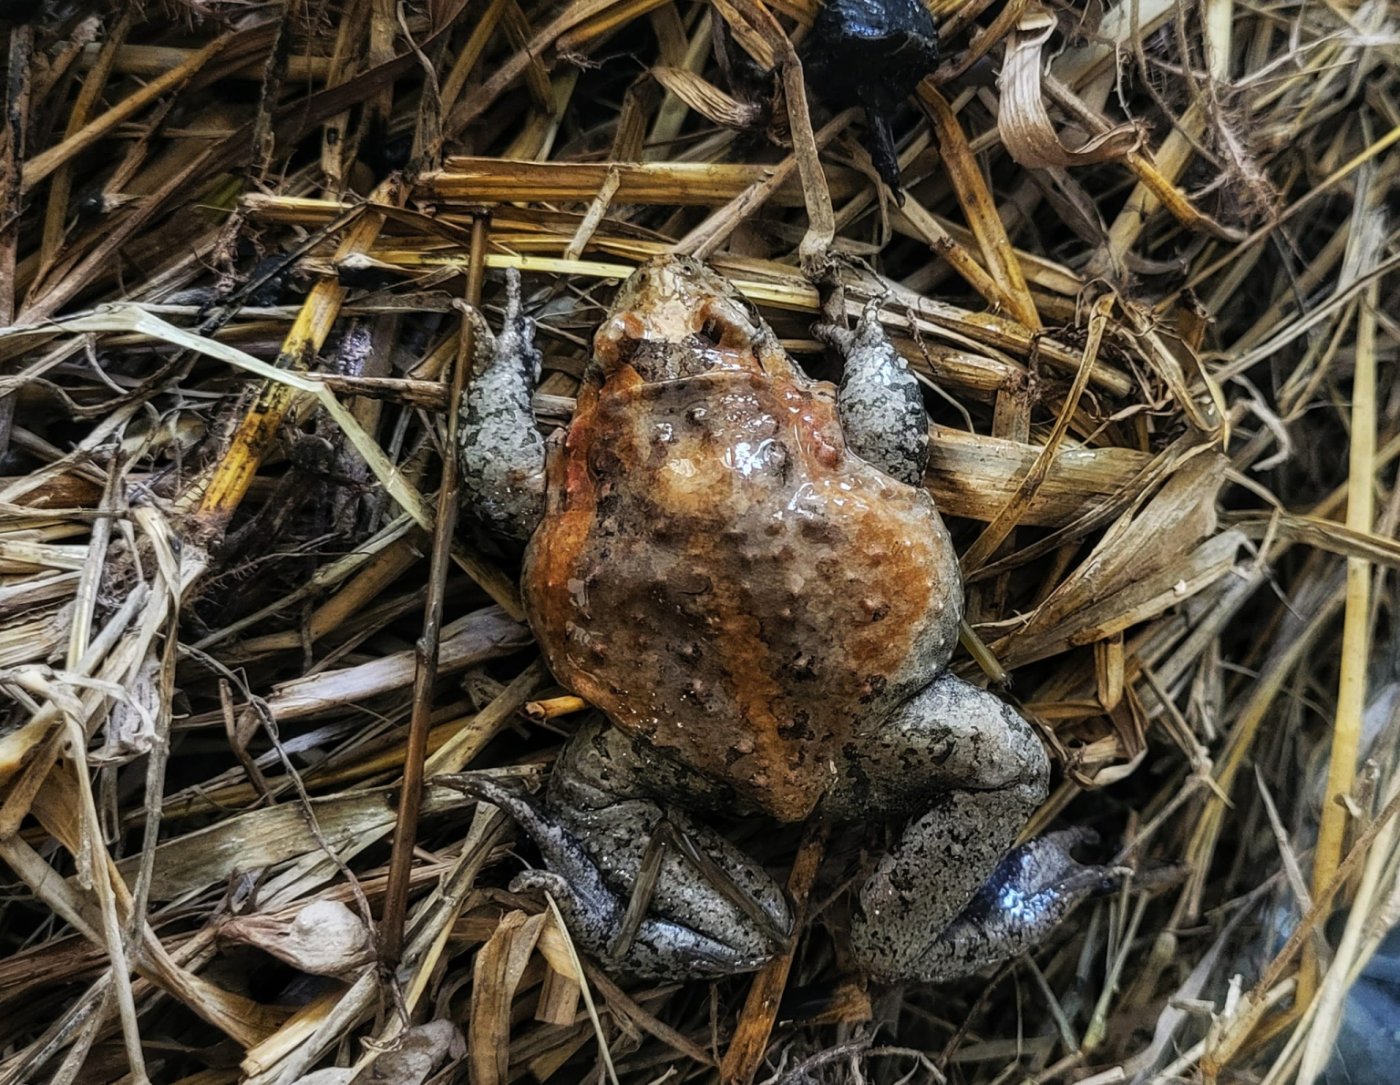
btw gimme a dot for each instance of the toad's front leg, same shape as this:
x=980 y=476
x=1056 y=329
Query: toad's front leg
x=953 y=896
x=882 y=410
x=500 y=451
x=643 y=886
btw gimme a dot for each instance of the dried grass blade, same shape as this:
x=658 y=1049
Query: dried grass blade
x=707 y=99
x=336 y=147
x=56 y=808
x=1369 y=921
x=1168 y=359
x=556 y=945
x=1005 y=521
x=760 y=1012
x=60 y=187
x=1321 y=188
x=491 y=180
x=1320 y=605
x=927 y=227
x=1141 y=163
x=1355 y=655
x=286 y=1055
x=136 y=319
x=44 y=163
x=739 y=17
x=1368 y=546
x=481 y=635
x=458 y=752
x=983 y=42
x=1219 y=1054
x=572 y=15
x=972 y=475
x=19 y=78
x=1154 y=556
x=369 y=568
x=1122 y=23
x=979 y=206
x=706 y=237
x=615 y=16
x=132 y=318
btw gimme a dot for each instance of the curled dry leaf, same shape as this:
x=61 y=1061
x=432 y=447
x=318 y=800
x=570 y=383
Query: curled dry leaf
x=1154 y=557
x=500 y=967
x=708 y=100
x=324 y=938
x=1022 y=121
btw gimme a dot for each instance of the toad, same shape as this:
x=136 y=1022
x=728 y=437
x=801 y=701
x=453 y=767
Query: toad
x=740 y=568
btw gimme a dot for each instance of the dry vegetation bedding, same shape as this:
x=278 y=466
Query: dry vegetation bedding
x=1142 y=264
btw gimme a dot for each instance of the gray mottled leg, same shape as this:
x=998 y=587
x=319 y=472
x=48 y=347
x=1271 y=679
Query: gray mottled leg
x=661 y=949
x=949 y=736
x=882 y=412
x=948 y=899
x=594 y=831
x=500 y=450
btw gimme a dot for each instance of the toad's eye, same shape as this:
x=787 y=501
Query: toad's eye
x=711 y=333
x=724 y=325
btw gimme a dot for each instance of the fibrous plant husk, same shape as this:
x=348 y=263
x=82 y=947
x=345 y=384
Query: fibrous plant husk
x=1143 y=262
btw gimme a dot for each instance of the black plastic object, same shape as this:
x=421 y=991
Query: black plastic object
x=872 y=53
x=22 y=11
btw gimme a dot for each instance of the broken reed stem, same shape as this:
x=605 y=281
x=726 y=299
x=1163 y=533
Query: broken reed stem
x=20 y=64
x=745 y=1053
x=97 y=866
x=391 y=925
x=1351 y=688
x=821 y=223
x=260 y=427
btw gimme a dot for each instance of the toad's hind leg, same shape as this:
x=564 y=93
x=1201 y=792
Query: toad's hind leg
x=500 y=451
x=953 y=896
x=643 y=886
x=882 y=412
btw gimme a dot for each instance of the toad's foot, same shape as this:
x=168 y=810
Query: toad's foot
x=500 y=451
x=1029 y=892
x=882 y=410
x=682 y=926
x=952 y=895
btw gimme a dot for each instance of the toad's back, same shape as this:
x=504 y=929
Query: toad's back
x=719 y=575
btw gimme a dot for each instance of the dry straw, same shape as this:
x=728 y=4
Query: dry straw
x=1143 y=262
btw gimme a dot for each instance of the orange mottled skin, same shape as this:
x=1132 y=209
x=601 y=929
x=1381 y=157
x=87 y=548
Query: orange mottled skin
x=715 y=570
